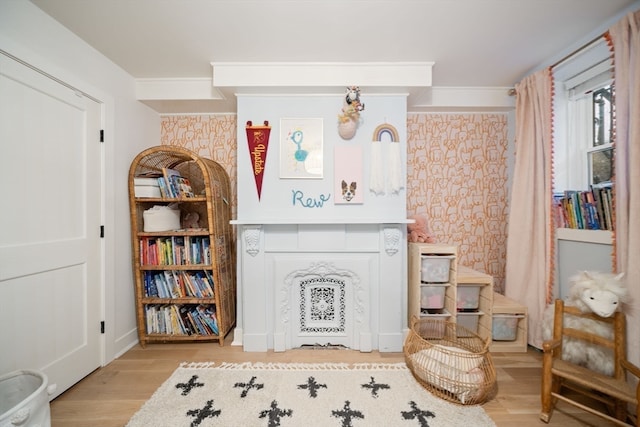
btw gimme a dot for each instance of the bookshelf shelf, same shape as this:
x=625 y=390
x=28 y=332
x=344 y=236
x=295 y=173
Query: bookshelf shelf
x=184 y=278
x=604 y=237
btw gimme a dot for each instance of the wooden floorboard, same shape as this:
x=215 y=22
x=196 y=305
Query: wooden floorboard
x=109 y=396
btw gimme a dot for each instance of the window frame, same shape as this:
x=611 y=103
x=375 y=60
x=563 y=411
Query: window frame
x=573 y=119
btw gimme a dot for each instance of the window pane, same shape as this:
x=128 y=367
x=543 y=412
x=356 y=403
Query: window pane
x=601 y=165
x=602 y=115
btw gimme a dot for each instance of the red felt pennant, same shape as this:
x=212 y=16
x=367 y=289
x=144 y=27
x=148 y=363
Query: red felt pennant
x=258 y=140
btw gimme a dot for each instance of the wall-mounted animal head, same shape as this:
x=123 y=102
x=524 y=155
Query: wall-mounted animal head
x=348 y=191
x=352 y=98
x=600 y=293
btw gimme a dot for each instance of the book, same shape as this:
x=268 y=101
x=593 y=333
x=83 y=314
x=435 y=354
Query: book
x=168 y=174
x=182 y=186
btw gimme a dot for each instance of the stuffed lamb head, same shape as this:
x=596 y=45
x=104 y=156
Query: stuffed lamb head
x=600 y=293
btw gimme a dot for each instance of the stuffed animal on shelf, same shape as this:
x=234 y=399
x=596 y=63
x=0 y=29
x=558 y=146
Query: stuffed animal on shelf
x=592 y=292
x=418 y=232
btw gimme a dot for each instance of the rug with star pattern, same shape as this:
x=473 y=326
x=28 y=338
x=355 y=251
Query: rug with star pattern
x=300 y=395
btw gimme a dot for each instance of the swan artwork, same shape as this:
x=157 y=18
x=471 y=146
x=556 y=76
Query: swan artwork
x=296 y=137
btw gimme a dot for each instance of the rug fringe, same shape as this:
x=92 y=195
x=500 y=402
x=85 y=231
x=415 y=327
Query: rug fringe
x=295 y=366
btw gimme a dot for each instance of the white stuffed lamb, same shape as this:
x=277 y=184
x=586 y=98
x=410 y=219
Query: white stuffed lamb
x=599 y=293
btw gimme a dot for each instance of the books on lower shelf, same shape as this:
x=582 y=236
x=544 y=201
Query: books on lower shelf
x=173 y=319
x=587 y=210
x=175 y=250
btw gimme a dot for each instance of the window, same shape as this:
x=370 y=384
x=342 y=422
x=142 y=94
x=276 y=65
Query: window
x=583 y=119
x=600 y=153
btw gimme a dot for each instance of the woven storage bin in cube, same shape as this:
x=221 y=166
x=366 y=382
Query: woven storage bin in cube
x=450 y=361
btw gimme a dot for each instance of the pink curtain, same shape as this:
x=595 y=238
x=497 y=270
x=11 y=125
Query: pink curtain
x=530 y=250
x=624 y=39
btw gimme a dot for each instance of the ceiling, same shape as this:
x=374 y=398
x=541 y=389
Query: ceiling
x=472 y=43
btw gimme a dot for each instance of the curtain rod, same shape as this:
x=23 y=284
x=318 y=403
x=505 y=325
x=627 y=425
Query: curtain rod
x=580 y=49
x=512 y=91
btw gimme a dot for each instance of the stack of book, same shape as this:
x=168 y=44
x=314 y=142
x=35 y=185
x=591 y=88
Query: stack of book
x=586 y=210
x=175 y=250
x=178 y=284
x=181 y=320
x=146 y=186
x=173 y=185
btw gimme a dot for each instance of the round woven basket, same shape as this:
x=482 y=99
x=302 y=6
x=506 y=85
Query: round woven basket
x=450 y=361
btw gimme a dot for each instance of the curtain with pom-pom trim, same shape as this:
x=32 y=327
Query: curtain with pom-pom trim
x=624 y=42
x=530 y=246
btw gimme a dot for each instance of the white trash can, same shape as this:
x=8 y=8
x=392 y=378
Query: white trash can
x=24 y=399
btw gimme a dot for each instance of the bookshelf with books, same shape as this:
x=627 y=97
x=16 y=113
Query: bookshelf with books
x=584 y=233
x=585 y=210
x=183 y=247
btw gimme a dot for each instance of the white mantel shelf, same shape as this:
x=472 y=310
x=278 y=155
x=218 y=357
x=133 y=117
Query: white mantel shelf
x=310 y=221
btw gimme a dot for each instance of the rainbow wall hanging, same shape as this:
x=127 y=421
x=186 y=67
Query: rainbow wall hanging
x=391 y=163
x=386 y=129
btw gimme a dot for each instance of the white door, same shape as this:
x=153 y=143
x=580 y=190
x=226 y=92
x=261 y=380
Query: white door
x=50 y=245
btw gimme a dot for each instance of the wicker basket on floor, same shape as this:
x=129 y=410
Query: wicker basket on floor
x=450 y=361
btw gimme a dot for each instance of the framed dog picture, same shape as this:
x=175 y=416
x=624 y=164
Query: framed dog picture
x=347 y=165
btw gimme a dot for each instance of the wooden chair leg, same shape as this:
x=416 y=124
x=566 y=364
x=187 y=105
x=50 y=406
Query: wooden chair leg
x=547 y=400
x=621 y=410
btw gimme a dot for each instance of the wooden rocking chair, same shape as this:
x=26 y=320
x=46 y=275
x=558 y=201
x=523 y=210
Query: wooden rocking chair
x=559 y=376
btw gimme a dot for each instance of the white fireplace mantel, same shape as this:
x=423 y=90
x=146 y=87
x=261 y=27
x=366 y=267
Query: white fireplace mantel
x=295 y=221
x=276 y=259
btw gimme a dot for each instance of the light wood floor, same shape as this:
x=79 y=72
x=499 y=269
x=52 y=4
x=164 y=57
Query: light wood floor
x=111 y=395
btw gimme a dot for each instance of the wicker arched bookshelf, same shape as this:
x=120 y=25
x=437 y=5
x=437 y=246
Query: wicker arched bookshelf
x=175 y=269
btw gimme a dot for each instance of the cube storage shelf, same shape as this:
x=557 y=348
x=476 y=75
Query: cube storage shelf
x=438 y=286
x=509 y=313
x=474 y=295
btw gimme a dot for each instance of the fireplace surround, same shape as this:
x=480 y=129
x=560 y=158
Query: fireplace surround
x=321 y=284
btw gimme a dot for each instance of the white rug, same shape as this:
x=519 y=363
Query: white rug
x=300 y=395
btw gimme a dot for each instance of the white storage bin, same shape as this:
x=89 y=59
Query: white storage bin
x=436 y=314
x=505 y=326
x=435 y=268
x=24 y=399
x=469 y=320
x=468 y=297
x=432 y=296
x=161 y=218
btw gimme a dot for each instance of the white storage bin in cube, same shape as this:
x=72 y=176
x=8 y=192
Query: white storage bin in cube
x=435 y=268
x=435 y=314
x=432 y=296
x=468 y=297
x=505 y=326
x=469 y=320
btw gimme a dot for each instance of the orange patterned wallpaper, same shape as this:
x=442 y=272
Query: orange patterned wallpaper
x=457 y=176
x=210 y=136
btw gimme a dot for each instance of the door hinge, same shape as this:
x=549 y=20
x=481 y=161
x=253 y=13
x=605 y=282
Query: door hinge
x=102 y=231
x=102 y=327
x=101 y=135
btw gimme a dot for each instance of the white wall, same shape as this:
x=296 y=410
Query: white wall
x=37 y=39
